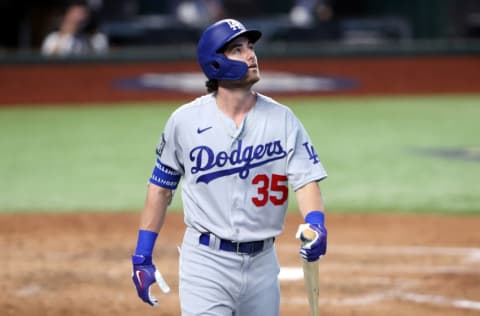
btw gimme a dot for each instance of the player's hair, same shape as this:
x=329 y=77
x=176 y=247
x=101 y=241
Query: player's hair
x=212 y=85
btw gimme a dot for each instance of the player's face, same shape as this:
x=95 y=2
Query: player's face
x=242 y=49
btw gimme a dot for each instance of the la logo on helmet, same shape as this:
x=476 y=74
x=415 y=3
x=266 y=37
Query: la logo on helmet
x=234 y=25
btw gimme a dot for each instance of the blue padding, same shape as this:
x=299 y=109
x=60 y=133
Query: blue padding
x=164 y=176
x=145 y=243
x=141 y=259
x=315 y=217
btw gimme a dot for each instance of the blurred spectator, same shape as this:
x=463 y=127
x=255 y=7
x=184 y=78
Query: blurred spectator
x=198 y=13
x=77 y=35
x=306 y=13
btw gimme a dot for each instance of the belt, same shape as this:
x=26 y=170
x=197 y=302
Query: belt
x=242 y=248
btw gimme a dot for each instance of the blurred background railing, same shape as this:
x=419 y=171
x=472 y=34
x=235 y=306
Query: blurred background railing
x=154 y=29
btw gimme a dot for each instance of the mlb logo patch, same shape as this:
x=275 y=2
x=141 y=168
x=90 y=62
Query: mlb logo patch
x=161 y=145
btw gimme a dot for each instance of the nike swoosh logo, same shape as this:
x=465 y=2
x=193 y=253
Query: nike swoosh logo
x=201 y=130
x=139 y=278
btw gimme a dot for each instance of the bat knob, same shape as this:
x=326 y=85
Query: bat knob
x=308 y=235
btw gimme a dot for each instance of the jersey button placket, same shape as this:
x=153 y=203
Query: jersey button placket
x=236 y=206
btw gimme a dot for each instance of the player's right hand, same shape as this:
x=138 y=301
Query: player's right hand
x=144 y=275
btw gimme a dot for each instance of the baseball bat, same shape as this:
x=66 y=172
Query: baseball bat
x=310 y=276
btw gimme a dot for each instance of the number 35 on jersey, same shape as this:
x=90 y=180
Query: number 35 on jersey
x=273 y=189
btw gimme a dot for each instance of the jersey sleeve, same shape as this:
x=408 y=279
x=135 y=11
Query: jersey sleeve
x=303 y=165
x=168 y=167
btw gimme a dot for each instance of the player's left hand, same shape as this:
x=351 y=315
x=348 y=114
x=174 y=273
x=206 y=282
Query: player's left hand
x=313 y=248
x=144 y=275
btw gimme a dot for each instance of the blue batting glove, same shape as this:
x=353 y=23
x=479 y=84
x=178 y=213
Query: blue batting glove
x=313 y=248
x=144 y=276
x=144 y=273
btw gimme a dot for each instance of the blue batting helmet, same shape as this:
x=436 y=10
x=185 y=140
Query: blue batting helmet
x=213 y=62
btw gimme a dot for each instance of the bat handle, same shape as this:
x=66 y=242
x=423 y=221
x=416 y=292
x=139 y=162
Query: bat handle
x=310 y=273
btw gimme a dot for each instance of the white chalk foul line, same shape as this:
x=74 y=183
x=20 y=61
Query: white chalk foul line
x=439 y=300
x=474 y=256
x=290 y=274
x=296 y=273
x=29 y=290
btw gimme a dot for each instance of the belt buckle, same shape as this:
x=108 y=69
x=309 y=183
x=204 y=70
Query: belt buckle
x=237 y=250
x=250 y=250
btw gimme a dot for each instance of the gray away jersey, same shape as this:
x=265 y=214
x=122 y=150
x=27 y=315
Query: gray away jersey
x=235 y=180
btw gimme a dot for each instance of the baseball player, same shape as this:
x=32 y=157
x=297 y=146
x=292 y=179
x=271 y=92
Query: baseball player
x=237 y=152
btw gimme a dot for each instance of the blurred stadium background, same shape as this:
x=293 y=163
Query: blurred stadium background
x=426 y=24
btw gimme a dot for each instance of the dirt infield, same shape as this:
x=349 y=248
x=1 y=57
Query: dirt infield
x=78 y=264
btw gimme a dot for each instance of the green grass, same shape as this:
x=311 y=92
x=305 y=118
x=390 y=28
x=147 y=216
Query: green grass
x=100 y=157
x=74 y=158
x=369 y=147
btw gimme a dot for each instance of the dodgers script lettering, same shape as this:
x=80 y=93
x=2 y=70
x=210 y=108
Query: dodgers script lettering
x=240 y=160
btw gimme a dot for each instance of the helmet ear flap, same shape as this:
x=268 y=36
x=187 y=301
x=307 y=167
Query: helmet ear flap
x=223 y=68
x=215 y=65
